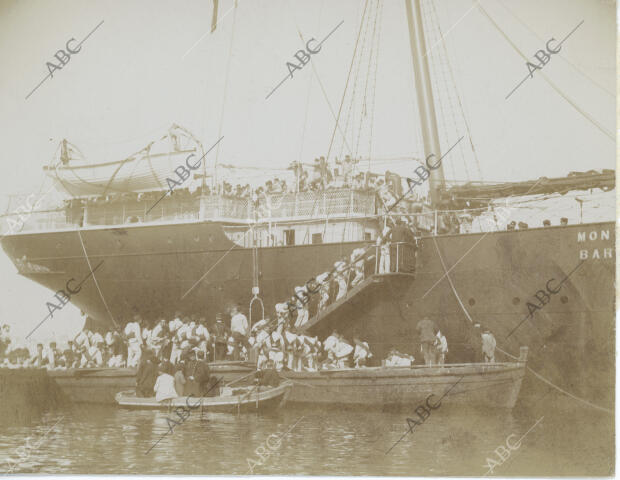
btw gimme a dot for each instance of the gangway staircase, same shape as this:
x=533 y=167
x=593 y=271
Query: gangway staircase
x=379 y=290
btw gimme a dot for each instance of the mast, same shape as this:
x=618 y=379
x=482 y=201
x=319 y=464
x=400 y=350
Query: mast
x=424 y=92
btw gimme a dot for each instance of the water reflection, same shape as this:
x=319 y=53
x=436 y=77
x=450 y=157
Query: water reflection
x=452 y=441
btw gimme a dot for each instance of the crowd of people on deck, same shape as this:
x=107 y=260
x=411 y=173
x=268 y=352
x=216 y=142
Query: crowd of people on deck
x=181 y=342
x=320 y=176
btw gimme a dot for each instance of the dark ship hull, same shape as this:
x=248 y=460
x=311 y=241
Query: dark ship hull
x=150 y=269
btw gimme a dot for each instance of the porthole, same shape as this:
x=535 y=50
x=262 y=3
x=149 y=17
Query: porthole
x=471 y=302
x=564 y=299
x=516 y=301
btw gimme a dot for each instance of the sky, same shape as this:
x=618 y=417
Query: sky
x=154 y=63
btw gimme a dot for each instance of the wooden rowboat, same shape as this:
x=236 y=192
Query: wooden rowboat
x=100 y=385
x=476 y=384
x=244 y=399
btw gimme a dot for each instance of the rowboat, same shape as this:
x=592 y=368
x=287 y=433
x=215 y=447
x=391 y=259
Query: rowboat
x=230 y=400
x=100 y=385
x=477 y=384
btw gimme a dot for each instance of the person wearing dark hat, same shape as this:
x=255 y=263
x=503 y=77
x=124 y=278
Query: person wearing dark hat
x=219 y=338
x=146 y=376
x=69 y=354
x=200 y=373
x=563 y=221
x=546 y=223
x=427 y=330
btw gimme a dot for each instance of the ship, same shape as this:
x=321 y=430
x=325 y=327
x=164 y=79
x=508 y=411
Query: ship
x=136 y=245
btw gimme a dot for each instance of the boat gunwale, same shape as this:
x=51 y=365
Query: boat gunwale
x=270 y=393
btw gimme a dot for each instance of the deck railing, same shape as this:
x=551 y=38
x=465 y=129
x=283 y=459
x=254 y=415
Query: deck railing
x=302 y=205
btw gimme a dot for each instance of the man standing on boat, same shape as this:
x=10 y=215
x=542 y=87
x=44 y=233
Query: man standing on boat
x=476 y=343
x=239 y=328
x=427 y=329
x=219 y=338
x=134 y=336
x=488 y=346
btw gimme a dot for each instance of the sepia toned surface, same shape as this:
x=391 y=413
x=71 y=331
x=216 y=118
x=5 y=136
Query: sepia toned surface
x=324 y=238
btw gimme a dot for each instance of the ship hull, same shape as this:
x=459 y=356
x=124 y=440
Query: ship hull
x=488 y=278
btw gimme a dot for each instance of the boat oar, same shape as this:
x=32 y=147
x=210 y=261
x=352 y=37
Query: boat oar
x=241 y=378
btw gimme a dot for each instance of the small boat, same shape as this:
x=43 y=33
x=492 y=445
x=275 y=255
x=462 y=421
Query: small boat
x=478 y=384
x=231 y=399
x=100 y=385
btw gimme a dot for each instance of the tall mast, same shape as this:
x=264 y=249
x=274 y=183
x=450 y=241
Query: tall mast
x=424 y=92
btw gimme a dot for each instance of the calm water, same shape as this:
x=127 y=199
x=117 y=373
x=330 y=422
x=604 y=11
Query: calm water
x=452 y=441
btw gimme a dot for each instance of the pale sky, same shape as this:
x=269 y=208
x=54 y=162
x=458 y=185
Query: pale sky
x=138 y=73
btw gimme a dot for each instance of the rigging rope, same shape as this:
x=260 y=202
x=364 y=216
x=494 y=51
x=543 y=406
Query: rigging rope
x=540 y=377
x=374 y=84
x=458 y=97
x=316 y=73
x=219 y=135
x=350 y=116
x=94 y=278
x=442 y=117
x=366 y=81
x=347 y=83
x=553 y=85
x=559 y=53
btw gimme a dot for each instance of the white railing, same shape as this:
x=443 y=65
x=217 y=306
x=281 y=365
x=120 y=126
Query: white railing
x=302 y=205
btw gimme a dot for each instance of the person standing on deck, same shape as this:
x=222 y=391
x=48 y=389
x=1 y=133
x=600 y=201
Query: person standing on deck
x=239 y=328
x=441 y=344
x=397 y=252
x=427 y=328
x=146 y=376
x=201 y=372
x=488 y=346
x=203 y=335
x=219 y=338
x=134 y=337
x=383 y=242
x=476 y=343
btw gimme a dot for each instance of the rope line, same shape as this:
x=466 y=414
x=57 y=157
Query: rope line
x=546 y=78
x=95 y=279
x=539 y=376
